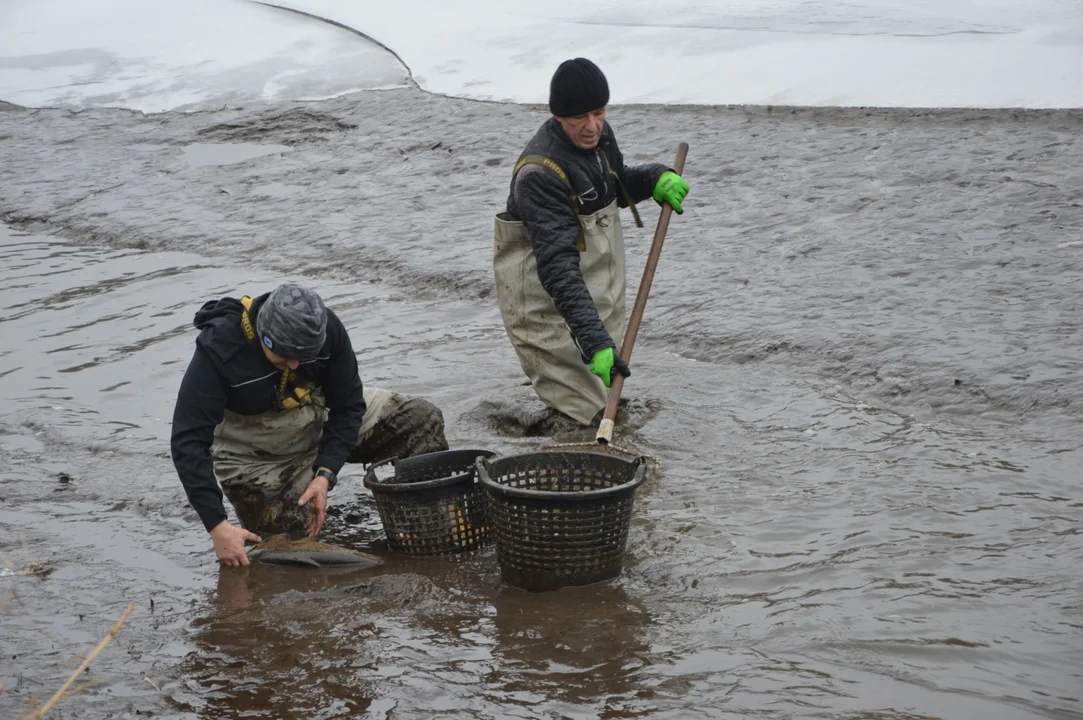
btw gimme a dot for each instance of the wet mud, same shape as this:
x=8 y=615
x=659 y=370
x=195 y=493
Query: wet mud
x=859 y=374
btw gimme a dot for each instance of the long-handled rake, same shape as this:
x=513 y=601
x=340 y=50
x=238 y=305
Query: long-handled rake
x=605 y=428
x=604 y=437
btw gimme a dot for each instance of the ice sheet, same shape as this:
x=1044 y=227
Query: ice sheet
x=155 y=55
x=912 y=53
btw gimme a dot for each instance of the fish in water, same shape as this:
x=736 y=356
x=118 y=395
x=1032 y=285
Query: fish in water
x=281 y=550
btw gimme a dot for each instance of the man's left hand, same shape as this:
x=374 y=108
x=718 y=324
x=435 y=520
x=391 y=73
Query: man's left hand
x=606 y=362
x=317 y=493
x=672 y=189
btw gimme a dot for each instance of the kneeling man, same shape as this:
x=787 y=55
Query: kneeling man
x=271 y=407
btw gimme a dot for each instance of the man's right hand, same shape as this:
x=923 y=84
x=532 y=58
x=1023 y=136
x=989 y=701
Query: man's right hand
x=605 y=363
x=229 y=543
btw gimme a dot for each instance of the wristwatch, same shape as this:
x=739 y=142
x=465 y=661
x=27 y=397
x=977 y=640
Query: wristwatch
x=332 y=478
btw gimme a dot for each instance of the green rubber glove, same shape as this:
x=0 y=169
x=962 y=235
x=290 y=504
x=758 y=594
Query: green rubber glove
x=671 y=188
x=605 y=362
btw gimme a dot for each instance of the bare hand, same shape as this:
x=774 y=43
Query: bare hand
x=229 y=543
x=317 y=493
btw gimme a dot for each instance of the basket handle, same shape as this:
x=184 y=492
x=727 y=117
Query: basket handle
x=372 y=468
x=394 y=460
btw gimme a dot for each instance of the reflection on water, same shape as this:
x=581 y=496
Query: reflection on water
x=583 y=648
x=209 y=154
x=331 y=642
x=271 y=643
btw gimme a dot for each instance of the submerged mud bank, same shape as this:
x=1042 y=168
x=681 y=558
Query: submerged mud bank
x=398 y=186
x=859 y=373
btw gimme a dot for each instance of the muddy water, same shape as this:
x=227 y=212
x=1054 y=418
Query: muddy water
x=860 y=372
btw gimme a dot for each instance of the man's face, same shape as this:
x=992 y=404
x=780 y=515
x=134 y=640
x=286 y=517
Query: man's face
x=584 y=130
x=278 y=361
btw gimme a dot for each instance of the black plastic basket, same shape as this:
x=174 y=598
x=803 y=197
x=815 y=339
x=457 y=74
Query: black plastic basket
x=433 y=504
x=560 y=518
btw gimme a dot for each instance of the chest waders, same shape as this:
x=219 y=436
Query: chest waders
x=537 y=330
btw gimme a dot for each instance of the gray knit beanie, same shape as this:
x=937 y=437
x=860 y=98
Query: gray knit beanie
x=292 y=323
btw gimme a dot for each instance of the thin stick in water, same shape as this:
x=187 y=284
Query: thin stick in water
x=85 y=664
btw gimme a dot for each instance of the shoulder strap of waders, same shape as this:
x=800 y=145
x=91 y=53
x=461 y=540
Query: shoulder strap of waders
x=581 y=242
x=546 y=162
x=246 y=320
x=624 y=192
x=287 y=400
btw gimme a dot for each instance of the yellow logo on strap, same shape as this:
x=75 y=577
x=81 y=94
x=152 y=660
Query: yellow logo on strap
x=246 y=320
x=287 y=400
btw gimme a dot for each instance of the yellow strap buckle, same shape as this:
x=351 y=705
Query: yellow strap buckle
x=302 y=397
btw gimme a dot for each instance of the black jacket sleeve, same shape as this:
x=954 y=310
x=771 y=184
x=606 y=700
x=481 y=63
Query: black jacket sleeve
x=638 y=179
x=641 y=179
x=201 y=404
x=545 y=208
x=345 y=399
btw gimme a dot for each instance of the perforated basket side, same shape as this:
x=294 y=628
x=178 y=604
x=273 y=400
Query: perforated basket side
x=560 y=520
x=448 y=520
x=542 y=547
x=433 y=505
x=561 y=476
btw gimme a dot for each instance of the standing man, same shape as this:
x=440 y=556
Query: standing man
x=558 y=249
x=271 y=407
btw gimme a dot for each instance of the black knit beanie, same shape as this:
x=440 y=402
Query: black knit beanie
x=577 y=87
x=292 y=323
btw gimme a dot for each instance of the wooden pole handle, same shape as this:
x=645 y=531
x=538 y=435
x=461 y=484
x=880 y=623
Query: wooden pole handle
x=605 y=428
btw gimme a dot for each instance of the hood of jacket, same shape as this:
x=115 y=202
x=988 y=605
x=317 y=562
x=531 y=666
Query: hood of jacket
x=219 y=323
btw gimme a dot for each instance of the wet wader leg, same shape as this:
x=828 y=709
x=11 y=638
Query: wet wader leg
x=264 y=464
x=398 y=426
x=537 y=331
x=267 y=504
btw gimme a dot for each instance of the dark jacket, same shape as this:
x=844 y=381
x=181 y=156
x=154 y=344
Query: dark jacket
x=230 y=372
x=541 y=200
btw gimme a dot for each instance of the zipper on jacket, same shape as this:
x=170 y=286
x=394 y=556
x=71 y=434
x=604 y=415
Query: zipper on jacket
x=605 y=180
